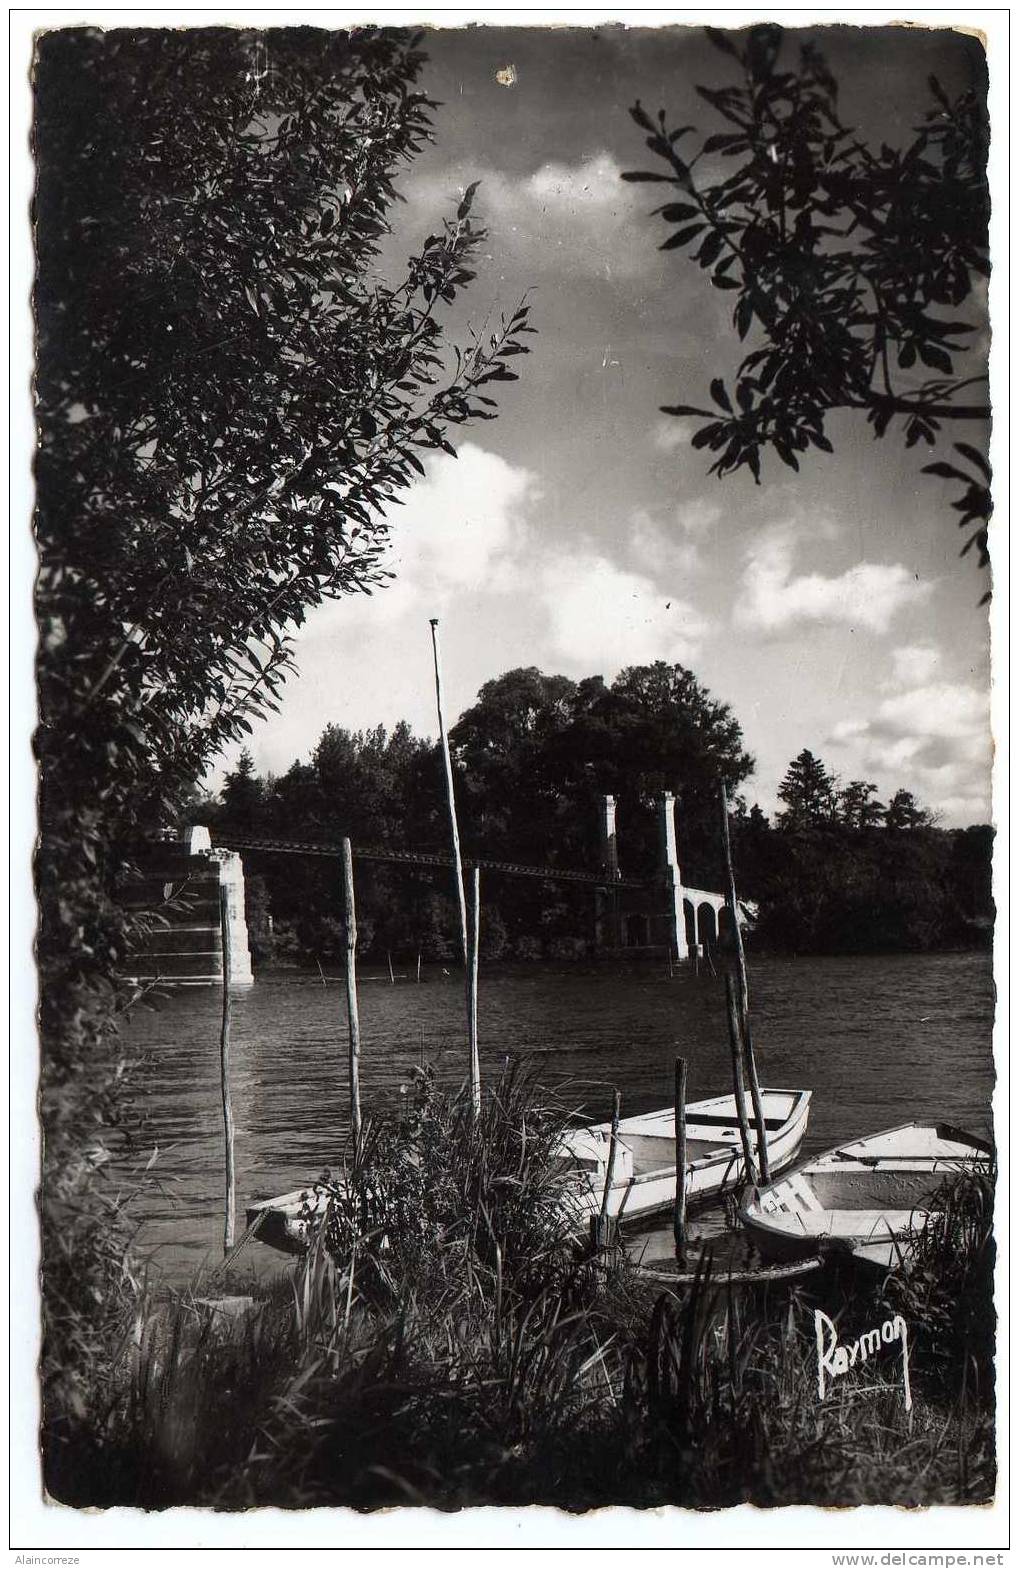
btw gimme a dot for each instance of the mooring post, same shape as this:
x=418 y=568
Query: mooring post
x=744 y=995
x=475 y=1082
x=472 y=991
x=736 y=1043
x=679 y=1213
x=758 y=1104
x=353 y=1020
x=224 y=1072
x=605 y=1226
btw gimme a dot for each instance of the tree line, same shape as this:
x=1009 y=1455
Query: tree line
x=836 y=870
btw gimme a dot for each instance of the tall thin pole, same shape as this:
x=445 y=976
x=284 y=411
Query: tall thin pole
x=450 y=798
x=744 y=995
x=473 y=1071
x=679 y=1212
x=739 y=1092
x=353 y=1019
x=472 y=992
x=224 y=1071
x=730 y=902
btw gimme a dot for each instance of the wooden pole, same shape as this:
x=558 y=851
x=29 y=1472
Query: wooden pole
x=610 y=1169
x=736 y=1043
x=679 y=1214
x=474 y=1077
x=353 y=1019
x=472 y=992
x=321 y=972
x=744 y=996
x=450 y=798
x=602 y=1224
x=419 y=970
x=730 y=904
x=758 y=1105
x=224 y=1070
x=392 y=977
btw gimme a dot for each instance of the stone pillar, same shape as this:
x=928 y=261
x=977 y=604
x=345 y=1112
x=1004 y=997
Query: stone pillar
x=606 y=900
x=609 y=848
x=671 y=875
x=231 y=877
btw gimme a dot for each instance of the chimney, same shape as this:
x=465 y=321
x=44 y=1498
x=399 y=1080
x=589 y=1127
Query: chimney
x=609 y=851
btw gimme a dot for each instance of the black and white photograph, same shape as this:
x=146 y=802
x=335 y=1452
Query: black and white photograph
x=515 y=865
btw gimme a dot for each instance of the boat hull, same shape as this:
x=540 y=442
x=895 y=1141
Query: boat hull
x=287 y=1222
x=717 y=1166
x=867 y=1200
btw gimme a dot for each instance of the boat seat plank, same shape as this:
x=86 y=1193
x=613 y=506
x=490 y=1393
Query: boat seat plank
x=802 y=1192
x=862 y=1223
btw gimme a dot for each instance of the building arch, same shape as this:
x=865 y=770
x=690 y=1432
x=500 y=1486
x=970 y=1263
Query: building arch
x=707 y=925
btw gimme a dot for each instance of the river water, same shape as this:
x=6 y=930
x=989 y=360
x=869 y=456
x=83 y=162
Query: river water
x=879 y=1041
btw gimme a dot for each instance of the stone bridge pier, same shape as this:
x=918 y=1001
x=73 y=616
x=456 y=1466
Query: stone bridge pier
x=663 y=913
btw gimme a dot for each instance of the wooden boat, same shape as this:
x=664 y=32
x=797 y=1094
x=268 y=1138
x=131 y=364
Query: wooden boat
x=868 y=1198
x=644 y=1177
x=287 y=1222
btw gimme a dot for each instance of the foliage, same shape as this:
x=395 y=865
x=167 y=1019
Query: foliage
x=835 y=887
x=949 y=1288
x=532 y=757
x=444 y=1196
x=538 y=752
x=850 y=266
x=481 y=1376
x=808 y=793
x=904 y=812
x=230 y=399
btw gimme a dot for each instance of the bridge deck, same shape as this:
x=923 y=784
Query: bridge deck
x=231 y=841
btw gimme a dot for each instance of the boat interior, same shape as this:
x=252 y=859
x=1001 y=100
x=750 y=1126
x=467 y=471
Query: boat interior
x=823 y=1202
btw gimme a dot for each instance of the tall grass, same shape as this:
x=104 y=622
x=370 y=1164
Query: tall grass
x=446 y=1341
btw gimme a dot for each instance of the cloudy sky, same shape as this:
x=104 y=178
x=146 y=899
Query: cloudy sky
x=580 y=532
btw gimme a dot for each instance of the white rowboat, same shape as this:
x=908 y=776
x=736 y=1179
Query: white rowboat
x=644 y=1177
x=870 y=1197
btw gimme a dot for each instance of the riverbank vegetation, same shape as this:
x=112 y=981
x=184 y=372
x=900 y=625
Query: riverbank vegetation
x=836 y=871
x=447 y=1342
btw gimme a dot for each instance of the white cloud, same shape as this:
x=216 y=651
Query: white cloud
x=673 y=431
x=773 y=598
x=929 y=736
x=663 y=548
x=604 y=617
x=583 y=211
x=914 y=664
x=468 y=547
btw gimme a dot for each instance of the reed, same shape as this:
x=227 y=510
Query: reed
x=445 y=1342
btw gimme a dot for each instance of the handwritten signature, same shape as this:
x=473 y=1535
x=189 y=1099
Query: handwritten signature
x=835 y=1360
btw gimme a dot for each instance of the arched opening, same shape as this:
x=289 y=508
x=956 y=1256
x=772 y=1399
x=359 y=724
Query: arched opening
x=707 y=926
x=690 y=922
x=725 y=932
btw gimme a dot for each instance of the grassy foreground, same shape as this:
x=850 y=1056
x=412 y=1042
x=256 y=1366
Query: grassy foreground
x=447 y=1342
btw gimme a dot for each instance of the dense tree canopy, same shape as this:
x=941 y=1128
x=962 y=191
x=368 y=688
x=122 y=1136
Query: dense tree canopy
x=533 y=754
x=856 y=271
x=538 y=751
